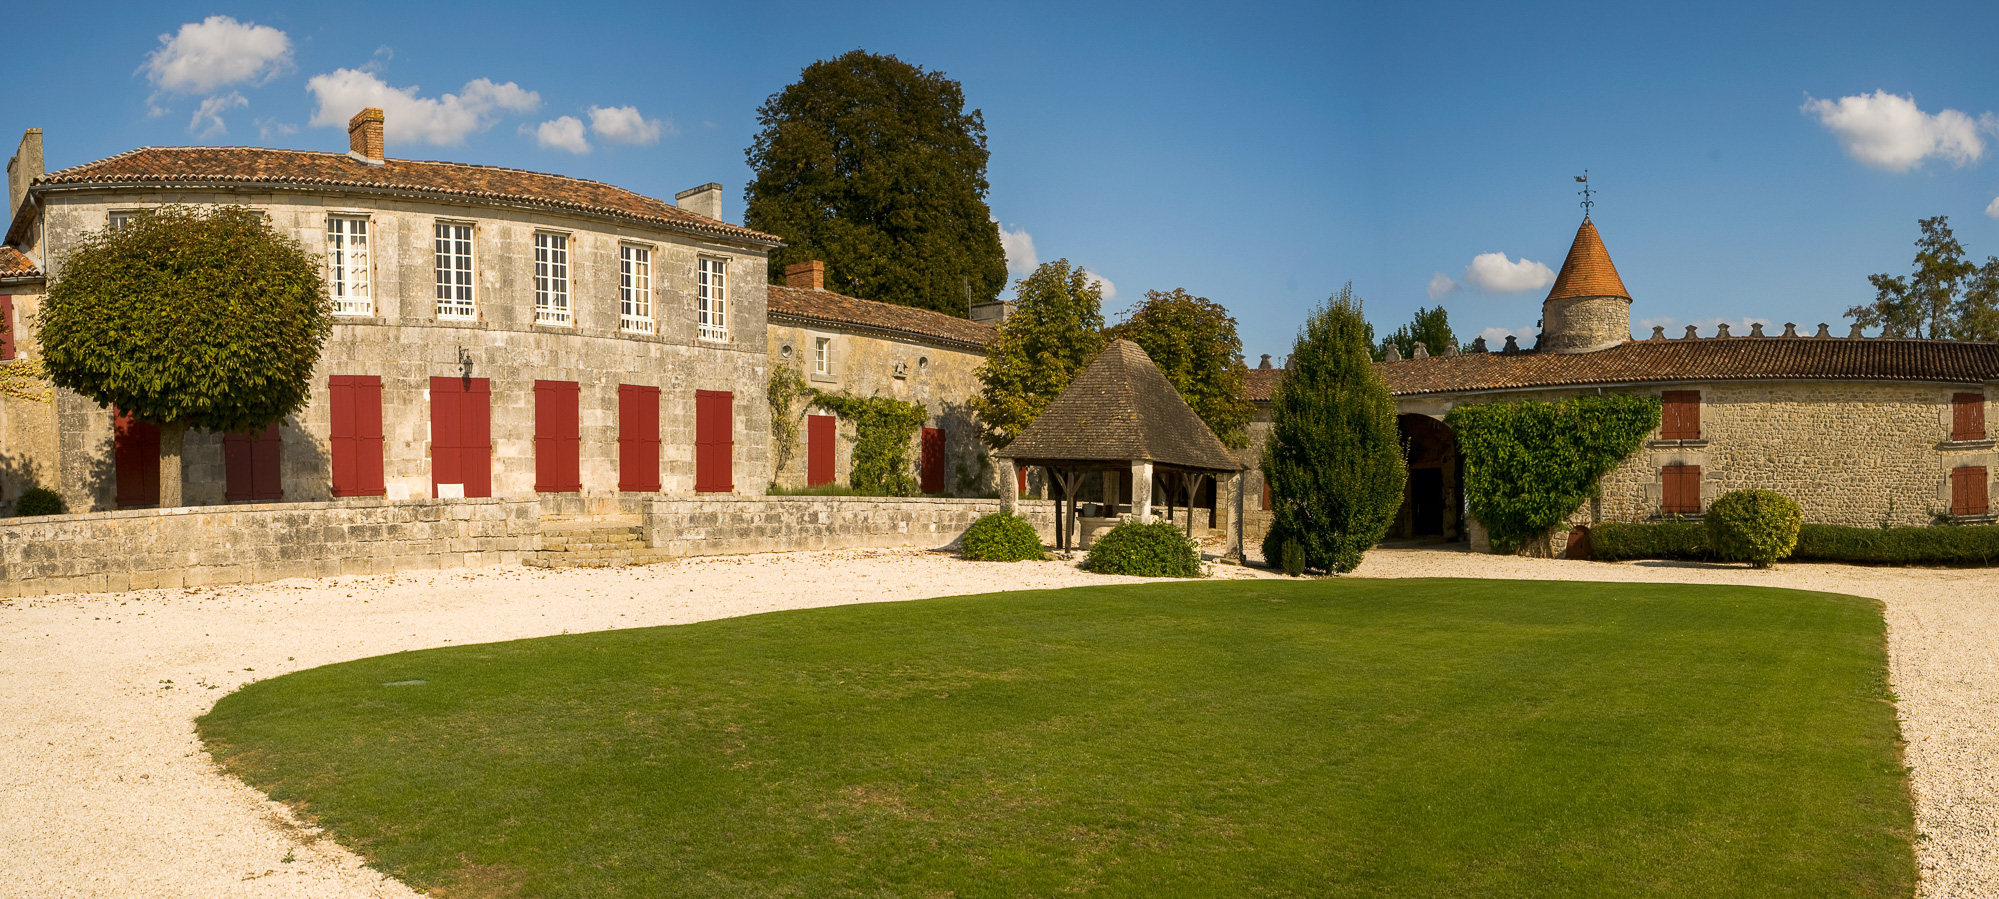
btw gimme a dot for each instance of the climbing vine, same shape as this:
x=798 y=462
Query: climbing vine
x=885 y=427
x=1529 y=465
x=786 y=387
x=28 y=380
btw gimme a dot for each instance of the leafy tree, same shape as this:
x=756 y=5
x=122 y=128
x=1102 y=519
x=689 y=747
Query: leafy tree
x=873 y=166
x=203 y=318
x=1946 y=297
x=1431 y=326
x=1193 y=341
x=1057 y=329
x=1334 y=460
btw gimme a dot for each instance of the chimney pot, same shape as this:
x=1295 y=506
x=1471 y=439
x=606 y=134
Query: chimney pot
x=1824 y=330
x=705 y=201
x=364 y=136
x=806 y=275
x=1265 y=364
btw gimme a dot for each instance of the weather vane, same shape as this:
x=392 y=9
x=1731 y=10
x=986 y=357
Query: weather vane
x=1583 y=179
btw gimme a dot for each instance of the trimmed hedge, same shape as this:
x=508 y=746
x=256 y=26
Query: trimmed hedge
x=38 y=501
x=1964 y=545
x=1158 y=549
x=1754 y=526
x=1002 y=537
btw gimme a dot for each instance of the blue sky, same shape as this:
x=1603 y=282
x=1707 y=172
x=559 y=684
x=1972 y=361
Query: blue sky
x=1752 y=163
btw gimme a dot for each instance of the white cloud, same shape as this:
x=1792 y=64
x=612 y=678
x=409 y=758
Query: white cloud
x=1104 y=285
x=564 y=133
x=1441 y=284
x=1019 y=248
x=1494 y=273
x=270 y=128
x=1993 y=209
x=216 y=52
x=1887 y=131
x=445 y=120
x=1495 y=338
x=624 y=125
x=207 y=121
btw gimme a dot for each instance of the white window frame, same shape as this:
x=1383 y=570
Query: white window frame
x=117 y=219
x=551 y=279
x=454 y=268
x=635 y=288
x=822 y=355
x=711 y=298
x=349 y=266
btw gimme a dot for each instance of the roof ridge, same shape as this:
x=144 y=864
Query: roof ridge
x=337 y=155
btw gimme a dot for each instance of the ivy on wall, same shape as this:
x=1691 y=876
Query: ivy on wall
x=787 y=386
x=1529 y=465
x=28 y=380
x=885 y=428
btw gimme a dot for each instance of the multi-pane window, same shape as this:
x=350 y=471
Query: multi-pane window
x=822 y=355
x=347 y=265
x=551 y=279
x=711 y=298
x=635 y=289
x=454 y=270
x=117 y=221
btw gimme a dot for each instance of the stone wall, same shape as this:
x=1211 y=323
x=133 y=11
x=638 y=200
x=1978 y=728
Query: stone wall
x=27 y=405
x=1578 y=324
x=727 y=525
x=147 y=548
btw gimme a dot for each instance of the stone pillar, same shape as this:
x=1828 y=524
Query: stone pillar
x=1234 y=554
x=1141 y=492
x=1009 y=485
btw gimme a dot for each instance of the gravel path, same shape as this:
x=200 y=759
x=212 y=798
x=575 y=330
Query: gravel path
x=104 y=790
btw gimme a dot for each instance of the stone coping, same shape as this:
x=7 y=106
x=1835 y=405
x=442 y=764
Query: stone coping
x=358 y=502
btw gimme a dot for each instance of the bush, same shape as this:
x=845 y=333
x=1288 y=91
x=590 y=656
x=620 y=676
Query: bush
x=1616 y=541
x=38 y=501
x=1961 y=545
x=1158 y=549
x=1754 y=526
x=1002 y=537
x=1292 y=557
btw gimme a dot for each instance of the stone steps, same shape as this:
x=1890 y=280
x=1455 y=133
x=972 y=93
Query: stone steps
x=608 y=542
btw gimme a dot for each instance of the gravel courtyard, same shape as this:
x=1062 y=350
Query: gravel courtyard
x=104 y=790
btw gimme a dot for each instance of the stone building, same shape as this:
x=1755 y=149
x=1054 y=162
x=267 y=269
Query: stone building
x=1860 y=431
x=864 y=348
x=497 y=333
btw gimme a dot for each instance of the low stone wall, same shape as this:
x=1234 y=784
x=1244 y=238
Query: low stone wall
x=726 y=525
x=200 y=546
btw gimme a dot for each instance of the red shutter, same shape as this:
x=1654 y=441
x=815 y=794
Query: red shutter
x=6 y=327
x=238 y=483
x=251 y=466
x=1682 y=485
x=1967 y=416
x=461 y=447
x=558 y=442
x=819 y=452
x=1680 y=415
x=135 y=451
x=354 y=402
x=1968 y=490
x=933 y=460
x=714 y=441
x=1266 y=496
x=638 y=438
x=1020 y=473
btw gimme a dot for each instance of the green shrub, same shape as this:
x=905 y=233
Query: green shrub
x=38 y=501
x=1754 y=526
x=1961 y=545
x=1529 y=465
x=1292 y=556
x=1158 y=549
x=1002 y=537
x=1616 y=541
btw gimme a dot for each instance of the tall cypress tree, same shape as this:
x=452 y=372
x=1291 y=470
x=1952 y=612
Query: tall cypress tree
x=875 y=167
x=1334 y=459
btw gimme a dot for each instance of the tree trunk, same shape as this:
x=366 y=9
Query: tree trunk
x=172 y=437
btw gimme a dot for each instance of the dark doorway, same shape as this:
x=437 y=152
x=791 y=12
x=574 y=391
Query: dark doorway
x=1426 y=501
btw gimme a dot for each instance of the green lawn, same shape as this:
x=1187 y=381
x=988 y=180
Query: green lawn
x=1270 y=738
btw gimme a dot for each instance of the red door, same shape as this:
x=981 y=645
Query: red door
x=461 y=443
x=355 y=404
x=714 y=441
x=1020 y=478
x=6 y=327
x=819 y=430
x=250 y=463
x=933 y=460
x=638 y=438
x=135 y=449
x=558 y=439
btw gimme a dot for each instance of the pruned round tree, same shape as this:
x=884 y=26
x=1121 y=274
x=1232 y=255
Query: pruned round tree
x=1056 y=329
x=1193 y=340
x=1334 y=459
x=875 y=167
x=185 y=318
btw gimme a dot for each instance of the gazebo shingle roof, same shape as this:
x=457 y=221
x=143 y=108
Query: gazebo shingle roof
x=1120 y=408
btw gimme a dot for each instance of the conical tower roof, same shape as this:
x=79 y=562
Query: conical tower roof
x=1588 y=271
x=1121 y=408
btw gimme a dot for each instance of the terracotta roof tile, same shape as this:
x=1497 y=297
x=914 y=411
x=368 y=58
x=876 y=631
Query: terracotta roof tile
x=305 y=168
x=1709 y=359
x=1587 y=272
x=1120 y=408
x=15 y=264
x=839 y=309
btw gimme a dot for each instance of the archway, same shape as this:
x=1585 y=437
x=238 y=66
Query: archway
x=1432 y=504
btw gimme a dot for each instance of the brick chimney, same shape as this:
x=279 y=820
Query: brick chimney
x=806 y=275
x=705 y=200
x=364 y=136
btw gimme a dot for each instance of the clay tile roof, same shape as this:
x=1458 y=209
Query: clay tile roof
x=1120 y=408
x=1709 y=359
x=304 y=168
x=1588 y=271
x=827 y=307
x=1259 y=383
x=15 y=264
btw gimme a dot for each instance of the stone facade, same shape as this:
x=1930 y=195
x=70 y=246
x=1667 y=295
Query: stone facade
x=721 y=525
x=1581 y=324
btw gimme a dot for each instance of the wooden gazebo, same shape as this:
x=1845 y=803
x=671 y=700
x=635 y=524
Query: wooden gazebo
x=1120 y=416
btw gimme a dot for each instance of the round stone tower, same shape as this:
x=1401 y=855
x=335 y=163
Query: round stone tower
x=1588 y=308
